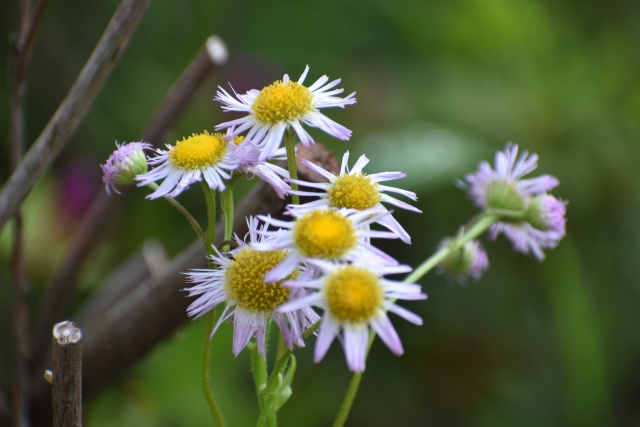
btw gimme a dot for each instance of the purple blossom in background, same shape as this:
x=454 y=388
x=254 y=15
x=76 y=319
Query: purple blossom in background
x=530 y=218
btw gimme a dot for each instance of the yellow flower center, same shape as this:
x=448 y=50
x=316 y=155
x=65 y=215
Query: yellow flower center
x=238 y=140
x=353 y=293
x=354 y=191
x=282 y=102
x=198 y=151
x=324 y=234
x=245 y=280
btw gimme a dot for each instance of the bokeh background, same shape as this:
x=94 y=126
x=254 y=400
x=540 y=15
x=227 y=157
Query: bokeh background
x=441 y=85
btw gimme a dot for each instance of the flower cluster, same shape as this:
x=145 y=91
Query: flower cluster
x=323 y=255
x=529 y=217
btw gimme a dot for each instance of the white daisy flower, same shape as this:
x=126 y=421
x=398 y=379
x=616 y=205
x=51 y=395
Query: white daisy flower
x=354 y=189
x=251 y=302
x=355 y=298
x=328 y=234
x=200 y=156
x=285 y=104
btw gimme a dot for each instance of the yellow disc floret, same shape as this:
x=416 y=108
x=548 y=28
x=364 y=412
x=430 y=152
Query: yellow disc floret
x=245 y=280
x=354 y=191
x=324 y=234
x=198 y=151
x=353 y=294
x=282 y=101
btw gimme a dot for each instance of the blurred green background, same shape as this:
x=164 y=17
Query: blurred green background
x=441 y=85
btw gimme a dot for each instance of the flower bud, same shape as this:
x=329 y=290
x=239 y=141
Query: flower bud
x=127 y=161
x=469 y=260
x=546 y=213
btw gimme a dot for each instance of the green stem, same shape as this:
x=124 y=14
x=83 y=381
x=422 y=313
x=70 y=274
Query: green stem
x=266 y=402
x=259 y=371
x=474 y=230
x=210 y=199
x=206 y=388
x=268 y=395
x=173 y=202
x=286 y=353
x=350 y=396
x=290 y=145
x=226 y=204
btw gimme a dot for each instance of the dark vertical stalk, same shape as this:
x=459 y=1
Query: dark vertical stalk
x=67 y=375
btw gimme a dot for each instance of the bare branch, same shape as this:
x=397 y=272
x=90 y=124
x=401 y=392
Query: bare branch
x=67 y=375
x=73 y=108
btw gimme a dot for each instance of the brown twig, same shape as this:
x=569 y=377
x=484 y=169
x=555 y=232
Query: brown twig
x=67 y=375
x=61 y=287
x=73 y=108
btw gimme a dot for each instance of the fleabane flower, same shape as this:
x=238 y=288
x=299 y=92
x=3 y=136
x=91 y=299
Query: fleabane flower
x=326 y=234
x=356 y=298
x=353 y=189
x=282 y=105
x=504 y=188
x=122 y=166
x=202 y=156
x=251 y=302
x=469 y=260
x=530 y=218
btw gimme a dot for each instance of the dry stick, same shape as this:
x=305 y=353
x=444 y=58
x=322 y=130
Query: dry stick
x=18 y=63
x=61 y=288
x=66 y=379
x=73 y=108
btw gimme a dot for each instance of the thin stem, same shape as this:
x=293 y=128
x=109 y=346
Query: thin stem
x=290 y=145
x=206 y=387
x=476 y=228
x=226 y=202
x=210 y=198
x=350 y=396
x=286 y=353
x=267 y=416
x=173 y=202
